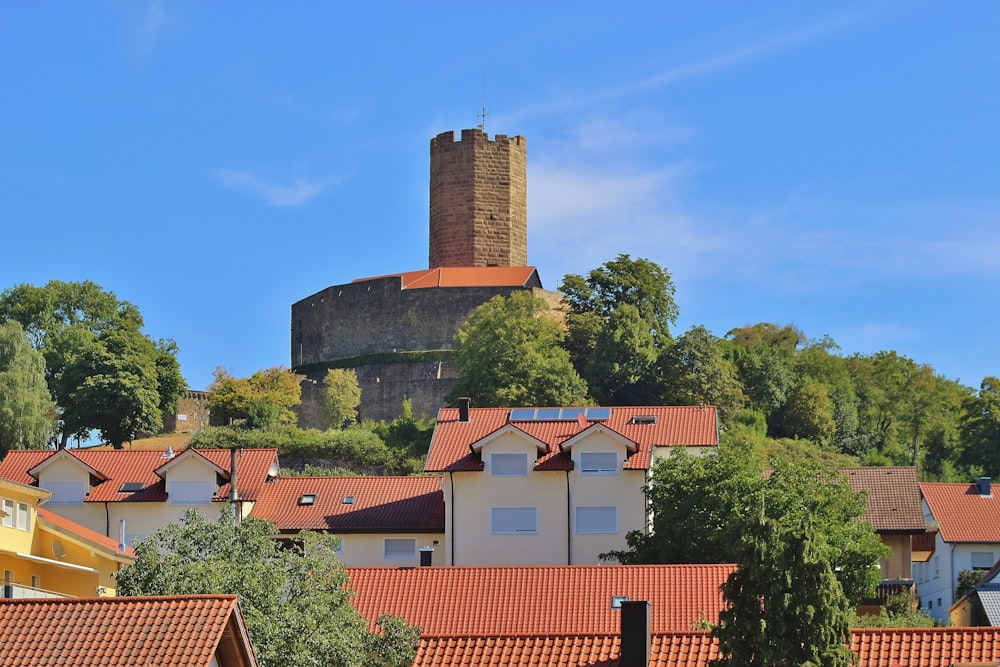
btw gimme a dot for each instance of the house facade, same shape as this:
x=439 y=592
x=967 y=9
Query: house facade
x=44 y=555
x=389 y=521
x=127 y=495
x=967 y=517
x=553 y=486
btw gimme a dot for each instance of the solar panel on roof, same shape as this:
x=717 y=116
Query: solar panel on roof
x=598 y=414
x=547 y=414
x=558 y=414
x=522 y=414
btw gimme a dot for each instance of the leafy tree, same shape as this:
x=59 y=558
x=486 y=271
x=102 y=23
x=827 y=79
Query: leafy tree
x=116 y=383
x=340 y=395
x=297 y=610
x=785 y=606
x=701 y=506
x=967 y=582
x=809 y=413
x=622 y=367
x=695 y=371
x=66 y=321
x=980 y=428
x=27 y=414
x=765 y=373
x=817 y=362
x=509 y=353
x=263 y=400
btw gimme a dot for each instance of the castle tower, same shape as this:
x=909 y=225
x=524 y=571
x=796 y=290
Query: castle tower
x=478 y=200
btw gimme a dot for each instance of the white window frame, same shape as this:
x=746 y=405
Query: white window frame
x=600 y=463
x=66 y=493
x=982 y=557
x=514 y=516
x=501 y=471
x=23 y=517
x=10 y=513
x=397 y=554
x=181 y=492
x=595 y=513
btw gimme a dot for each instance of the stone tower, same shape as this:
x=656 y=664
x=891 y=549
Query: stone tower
x=478 y=200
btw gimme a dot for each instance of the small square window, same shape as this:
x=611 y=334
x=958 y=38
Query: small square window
x=396 y=548
x=307 y=499
x=348 y=500
x=982 y=560
x=509 y=465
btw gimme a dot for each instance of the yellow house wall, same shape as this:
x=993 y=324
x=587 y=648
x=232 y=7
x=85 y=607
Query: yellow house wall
x=622 y=490
x=898 y=565
x=476 y=493
x=367 y=550
x=961 y=613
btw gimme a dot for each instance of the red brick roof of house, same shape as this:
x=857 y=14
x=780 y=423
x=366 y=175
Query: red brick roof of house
x=897 y=647
x=377 y=504
x=181 y=631
x=893 y=497
x=464 y=276
x=451 y=443
x=117 y=467
x=962 y=513
x=537 y=600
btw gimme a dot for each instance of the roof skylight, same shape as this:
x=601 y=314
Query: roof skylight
x=307 y=499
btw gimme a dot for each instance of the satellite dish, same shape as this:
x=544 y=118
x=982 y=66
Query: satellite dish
x=57 y=549
x=274 y=470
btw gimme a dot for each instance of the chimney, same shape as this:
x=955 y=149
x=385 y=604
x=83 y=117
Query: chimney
x=984 y=486
x=636 y=641
x=463 y=408
x=234 y=494
x=121 y=535
x=426 y=554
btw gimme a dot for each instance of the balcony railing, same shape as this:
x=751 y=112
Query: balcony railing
x=890 y=587
x=19 y=591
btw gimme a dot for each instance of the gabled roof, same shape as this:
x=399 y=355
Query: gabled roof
x=537 y=600
x=932 y=647
x=893 y=497
x=691 y=426
x=379 y=504
x=121 y=466
x=72 y=530
x=962 y=513
x=465 y=276
x=181 y=631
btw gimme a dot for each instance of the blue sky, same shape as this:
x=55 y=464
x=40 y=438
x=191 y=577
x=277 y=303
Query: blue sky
x=827 y=164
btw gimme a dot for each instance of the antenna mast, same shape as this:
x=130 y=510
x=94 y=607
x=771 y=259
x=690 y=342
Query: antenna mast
x=484 y=113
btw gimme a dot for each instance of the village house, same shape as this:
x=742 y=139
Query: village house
x=967 y=517
x=553 y=486
x=175 y=631
x=981 y=606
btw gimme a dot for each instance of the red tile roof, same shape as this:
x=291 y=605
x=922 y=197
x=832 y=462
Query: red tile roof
x=178 y=631
x=675 y=425
x=931 y=647
x=962 y=513
x=893 y=497
x=464 y=276
x=71 y=528
x=380 y=504
x=537 y=600
x=121 y=466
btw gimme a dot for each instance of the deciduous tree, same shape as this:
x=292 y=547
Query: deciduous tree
x=263 y=400
x=297 y=610
x=695 y=371
x=27 y=414
x=341 y=395
x=980 y=428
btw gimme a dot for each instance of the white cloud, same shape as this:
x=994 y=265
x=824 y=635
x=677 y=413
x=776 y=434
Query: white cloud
x=297 y=193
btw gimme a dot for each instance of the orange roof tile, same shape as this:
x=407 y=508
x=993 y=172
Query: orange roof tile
x=464 y=276
x=931 y=647
x=64 y=525
x=111 y=632
x=962 y=513
x=537 y=600
x=675 y=425
x=379 y=504
x=893 y=497
x=120 y=466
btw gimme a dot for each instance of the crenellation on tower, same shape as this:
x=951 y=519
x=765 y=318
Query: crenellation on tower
x=478 y=200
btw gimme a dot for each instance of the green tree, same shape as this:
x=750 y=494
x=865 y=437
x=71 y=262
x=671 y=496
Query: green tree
x=808 y=413
x=262 y=401
x=967 y=582
x=341 y=396
x=702 y=505
x=785 y=606
x=65 y=320
x=622 y=367
x=765 y=374
x=297 y=610
x=27 y=414
x=509 y=352
x=695 y=371
x=980 y=428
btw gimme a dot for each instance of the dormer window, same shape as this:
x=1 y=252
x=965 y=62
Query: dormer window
x=598 y=463
x=509 y=464
x=307 y=499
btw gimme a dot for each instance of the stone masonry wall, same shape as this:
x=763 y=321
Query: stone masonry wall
x=478 y=200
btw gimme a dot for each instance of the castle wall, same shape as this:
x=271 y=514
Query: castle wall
x=478 y=200
x=191 y=413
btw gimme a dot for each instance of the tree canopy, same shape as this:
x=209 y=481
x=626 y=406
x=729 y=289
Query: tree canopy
x=297 y=610
x=509 y=352
x=263 y=400
x=27 y=413
x=340 y=396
